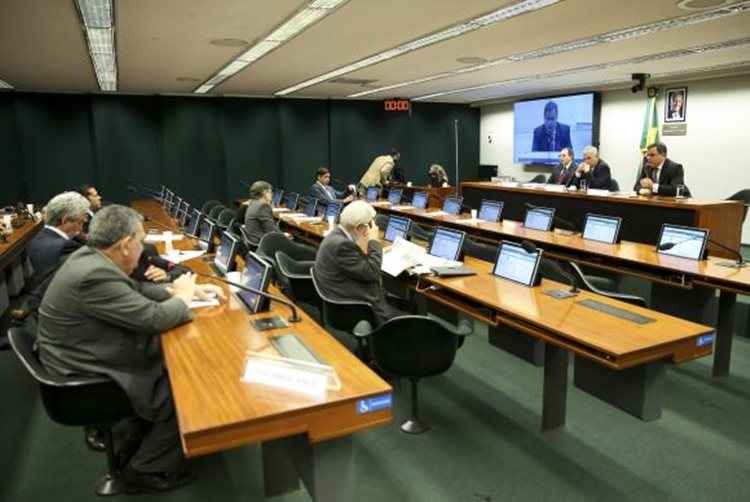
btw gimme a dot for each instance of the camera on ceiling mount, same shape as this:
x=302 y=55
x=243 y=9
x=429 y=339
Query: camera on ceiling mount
x=641 y=79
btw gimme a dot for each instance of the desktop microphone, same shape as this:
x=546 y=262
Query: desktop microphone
x=740 y=263
x=560 y=222
x=530 y=247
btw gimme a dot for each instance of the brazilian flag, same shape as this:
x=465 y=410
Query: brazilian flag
x=650 y=133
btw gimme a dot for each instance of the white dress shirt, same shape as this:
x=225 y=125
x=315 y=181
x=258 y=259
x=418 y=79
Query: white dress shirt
x=58 y=232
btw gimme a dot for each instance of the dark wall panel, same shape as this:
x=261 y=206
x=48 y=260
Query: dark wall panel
x=304 y=141
x=12 y=177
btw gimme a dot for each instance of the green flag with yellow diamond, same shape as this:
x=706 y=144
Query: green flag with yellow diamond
x=650 y=132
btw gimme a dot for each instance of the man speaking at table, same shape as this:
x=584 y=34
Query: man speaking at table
x=660 y=175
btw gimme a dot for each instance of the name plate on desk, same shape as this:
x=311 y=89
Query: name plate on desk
x=509 y=184
x=290 y=374
x=554 y=188
x=598 y=192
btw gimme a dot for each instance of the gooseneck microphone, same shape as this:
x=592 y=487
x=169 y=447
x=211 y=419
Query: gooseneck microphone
x=740 y=263
x=159 y=262
x=530 y=247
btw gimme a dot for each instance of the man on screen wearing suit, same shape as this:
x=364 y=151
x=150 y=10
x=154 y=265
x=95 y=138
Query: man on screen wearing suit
x=660 y=175
x=563 y=172
x=324 y=192
x=594 y=170
x=551 y=136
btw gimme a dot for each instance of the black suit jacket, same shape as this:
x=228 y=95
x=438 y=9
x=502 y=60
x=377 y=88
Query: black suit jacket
x=326 y=194
x=259 y=220
x=555 y=176
x=541 y=142
x=670 y=176
x=599 y=177
x=346 y=273
x=45 y=251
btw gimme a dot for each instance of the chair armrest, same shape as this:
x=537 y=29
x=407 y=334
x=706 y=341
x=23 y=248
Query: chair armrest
x=464 y=327
x=362 y=329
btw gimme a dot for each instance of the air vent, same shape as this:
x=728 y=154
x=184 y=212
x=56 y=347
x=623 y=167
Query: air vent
x=354 y=81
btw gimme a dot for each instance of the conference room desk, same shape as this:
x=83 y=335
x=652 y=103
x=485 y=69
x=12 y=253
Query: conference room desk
x=216 y=410
x=617 y=360
x=13 y=271
x=682 y=286
x=435 y=195
x=642 y=215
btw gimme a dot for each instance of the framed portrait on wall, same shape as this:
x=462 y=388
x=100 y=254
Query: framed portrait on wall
x=675 y=105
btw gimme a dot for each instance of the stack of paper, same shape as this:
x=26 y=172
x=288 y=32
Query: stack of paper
x=179 y=256
x=162 y=238
x=404 y=255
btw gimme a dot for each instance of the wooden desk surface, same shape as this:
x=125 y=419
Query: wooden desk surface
x=17 y=242
x=614 y=342
x=217 y=411
x=620 y=197
x=707 y=272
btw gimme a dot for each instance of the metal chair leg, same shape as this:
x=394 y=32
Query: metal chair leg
x=413 y=425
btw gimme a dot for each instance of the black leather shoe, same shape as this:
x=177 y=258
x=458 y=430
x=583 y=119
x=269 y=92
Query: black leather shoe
x=137 y=482
x=94 y=439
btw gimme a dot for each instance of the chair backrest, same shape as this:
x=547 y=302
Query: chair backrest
x=299 y=279
x=584 y=283
x=419 y=232
x=215 y=211
x=744 y=197
x=251 y=244
x=208 y=205
x=479 y=250
x=414 y=346
x=225 y=218
x=539 y=178
x=381 y=220
x=71 y=400
x=614 y=186
x=239 y=219
x=343 y=315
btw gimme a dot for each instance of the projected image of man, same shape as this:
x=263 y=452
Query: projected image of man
x=551 y=136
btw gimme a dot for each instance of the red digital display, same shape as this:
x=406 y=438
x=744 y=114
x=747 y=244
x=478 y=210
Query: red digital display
x=397 y=105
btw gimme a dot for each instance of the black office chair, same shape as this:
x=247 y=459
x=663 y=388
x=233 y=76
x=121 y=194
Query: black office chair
x=239 y=219
x=480 y=250
x=250 y=244
x=351 y=317
x=421 y=233
x=214 y=213
x=416 y=347
x=298 y=281
x=276 y=241
x=225 y=218
x=614 y=186
x=78 y=401
x=539 y=178
x=208 y=205
x=744 y=197
x=586 y=282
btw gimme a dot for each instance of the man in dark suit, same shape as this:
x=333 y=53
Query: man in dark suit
x=551 y=136
x=259 y=215
x=563 y=172
x=92 y=195
x=660 y=175
x=117 y=323
x=347 y=265
x=324 y=192
x=594 y=170
x=65 y=216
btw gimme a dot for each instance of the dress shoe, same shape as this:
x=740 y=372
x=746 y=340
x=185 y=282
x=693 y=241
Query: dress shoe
x=94 y=439
x=137 y=482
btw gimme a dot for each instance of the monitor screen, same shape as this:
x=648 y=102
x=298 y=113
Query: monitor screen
x=311 y=206
x=372 y=194
x=175 y=206
x=446 y=243
x=290 y=200
x=225 y=252
x=195 y=221
x=419 y=200
x=397 y=227
x=515 y=264
x=394 y=196
x=491 y=210
x=207 y=233
x=539 y=218
x=333 y=209
x=185 y=218
x=543 y=127
x=276 y=198
x=255 y=275
x=688 y=242
x=452 y=205
x=601 y=228
x=185 y=205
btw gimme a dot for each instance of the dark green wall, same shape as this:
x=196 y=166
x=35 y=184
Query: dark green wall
x=205 y=147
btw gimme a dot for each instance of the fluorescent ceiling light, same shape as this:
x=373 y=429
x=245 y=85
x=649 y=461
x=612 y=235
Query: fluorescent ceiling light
x=433 y=38
x=613 y=36
x=98 y=22
x=313 y=12
x=96 y=13
x=5 y=85
x=601 y=66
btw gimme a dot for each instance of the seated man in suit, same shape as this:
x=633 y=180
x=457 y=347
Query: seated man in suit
x=94 y=319
x=594 y=170
x=65 y=216
x=348 y=261
x=552 y=135
x=660 y=175
x=259 y=215
x=324 y=192
x=563 y=172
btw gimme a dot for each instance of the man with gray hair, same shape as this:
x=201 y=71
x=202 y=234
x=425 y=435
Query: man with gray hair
x=94 y=319
x=347 y=265
x=593 y=170
x=65 y=216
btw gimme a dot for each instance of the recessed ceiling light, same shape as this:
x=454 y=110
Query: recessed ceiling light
x=471 y=60
x=693 y=5
x=97 y=17
x=229 y=42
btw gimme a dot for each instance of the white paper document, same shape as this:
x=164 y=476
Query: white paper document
x=437 y=213
x=402 y=208
x=179 y=256
x=597 y=191
x=404 y=254
x=554 y=188
x=161 y=238
x=196 y=303
x=279 y=209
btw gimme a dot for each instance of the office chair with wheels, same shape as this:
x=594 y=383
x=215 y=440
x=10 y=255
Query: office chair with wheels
x=744 y=197
x=276 y=241
x=214 y=213
x=539 y=178
x=297 y=277
x=208 y=205
x=586 y=282
x=250 y=244
x=78 y=401
x=479 y=250
x=224 y=220
x=416 y=347
x=239 y=219
x=352 y=317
